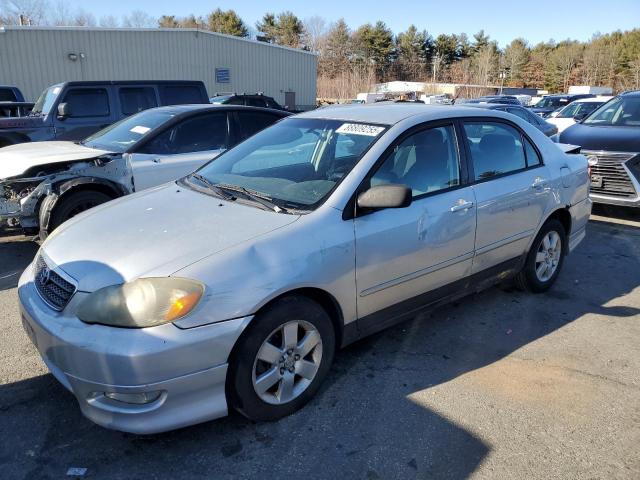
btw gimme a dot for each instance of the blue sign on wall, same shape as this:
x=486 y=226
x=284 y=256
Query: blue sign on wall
x=223 y=75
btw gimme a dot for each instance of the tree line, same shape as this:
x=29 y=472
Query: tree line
x=351 y=60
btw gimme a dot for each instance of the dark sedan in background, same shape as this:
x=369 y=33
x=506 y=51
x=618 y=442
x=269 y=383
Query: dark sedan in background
x=551 y=103
x=519 y=111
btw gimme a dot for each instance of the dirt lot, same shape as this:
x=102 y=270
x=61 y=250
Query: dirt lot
x=499 y=385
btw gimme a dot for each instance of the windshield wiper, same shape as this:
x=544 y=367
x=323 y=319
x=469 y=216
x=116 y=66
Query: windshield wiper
x=254 y=195
x=212 y=186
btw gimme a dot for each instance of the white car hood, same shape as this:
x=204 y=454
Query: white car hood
x=17 y=159
x=561 y=123
x=155 y=232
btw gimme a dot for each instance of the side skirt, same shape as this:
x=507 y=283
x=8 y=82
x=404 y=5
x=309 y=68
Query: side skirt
x=410 y=308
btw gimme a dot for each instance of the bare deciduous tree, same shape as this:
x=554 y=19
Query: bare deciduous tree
x=315 y=33
x=109 y=21
x=24 y=12
x=139 y=19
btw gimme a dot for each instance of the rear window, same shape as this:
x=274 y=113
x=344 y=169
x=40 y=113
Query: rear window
x=181 y=94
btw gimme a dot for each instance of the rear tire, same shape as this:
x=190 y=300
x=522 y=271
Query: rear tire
x=544 y=260
x=73 y=204
x=272 y=371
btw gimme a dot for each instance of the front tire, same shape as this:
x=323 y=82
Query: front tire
x=73 y=204
x=545 y=258
x=281 y=360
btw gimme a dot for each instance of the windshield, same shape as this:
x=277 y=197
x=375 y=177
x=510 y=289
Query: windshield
x=296 y=162
x=122 y=135
x=623 y=111
x=220 y=99
x=578 y=108
x=45 y=100
x=550 y=102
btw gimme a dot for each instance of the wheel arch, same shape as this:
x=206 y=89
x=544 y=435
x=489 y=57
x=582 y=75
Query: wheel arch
x=64 y=188
x=323 y=298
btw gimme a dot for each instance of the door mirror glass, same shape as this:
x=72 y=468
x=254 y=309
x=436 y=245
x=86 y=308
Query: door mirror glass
x=385 y=196
x=64 y=111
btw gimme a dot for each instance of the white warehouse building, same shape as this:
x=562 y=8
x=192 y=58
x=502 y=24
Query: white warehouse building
x=32 y=58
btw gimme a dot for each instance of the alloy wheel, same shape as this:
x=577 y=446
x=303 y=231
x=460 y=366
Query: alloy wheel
x=287 y=362
x=548 y=256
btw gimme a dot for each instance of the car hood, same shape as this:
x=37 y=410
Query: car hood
x=155 y=232
x=17 y=159
x=613 y=139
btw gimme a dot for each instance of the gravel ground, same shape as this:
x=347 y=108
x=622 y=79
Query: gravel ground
x=501 y=384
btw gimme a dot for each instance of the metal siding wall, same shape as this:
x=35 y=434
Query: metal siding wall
x=34 y=58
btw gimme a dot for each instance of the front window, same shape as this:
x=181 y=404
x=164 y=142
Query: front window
x=295 y=163
x=120 y=136
x=621 y=111
x=577 y=108
x=46 y=100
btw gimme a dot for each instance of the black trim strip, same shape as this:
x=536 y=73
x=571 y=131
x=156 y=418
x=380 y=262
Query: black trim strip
x=408 y=309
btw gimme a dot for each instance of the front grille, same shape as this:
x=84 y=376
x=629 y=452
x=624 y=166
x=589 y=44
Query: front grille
x=615 y=178
x=54 y=290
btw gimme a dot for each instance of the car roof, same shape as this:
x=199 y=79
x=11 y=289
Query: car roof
x=389 y=113
x=631 y=93
x=493 y=106
x=131 y=82
x=602 y=98
x=198 y=107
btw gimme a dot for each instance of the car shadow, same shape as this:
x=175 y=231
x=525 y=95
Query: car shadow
x=368 y=421
x=16 y=253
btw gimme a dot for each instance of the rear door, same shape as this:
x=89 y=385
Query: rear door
x=136 y=98
x=180 y=149
x=403 y=253
x=91 y=109
x=511 y=187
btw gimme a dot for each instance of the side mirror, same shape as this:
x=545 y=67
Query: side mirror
x=64 y=111
x=385 y=196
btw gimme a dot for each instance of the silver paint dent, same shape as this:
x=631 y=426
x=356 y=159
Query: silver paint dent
x=21 y=206
x=317 y=251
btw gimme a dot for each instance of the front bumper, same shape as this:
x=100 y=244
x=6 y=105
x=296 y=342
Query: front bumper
x=188 y=367
x=618 y=201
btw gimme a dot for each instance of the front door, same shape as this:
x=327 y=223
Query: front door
x=511 y=189
x=404 y=253
x=180 y=150
x=90 y=110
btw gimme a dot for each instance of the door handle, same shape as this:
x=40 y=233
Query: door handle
x=539 y=183
x=155 y=160
x=461 y=205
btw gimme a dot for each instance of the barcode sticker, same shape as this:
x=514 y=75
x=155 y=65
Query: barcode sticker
x=140 y=129
x=360 y=129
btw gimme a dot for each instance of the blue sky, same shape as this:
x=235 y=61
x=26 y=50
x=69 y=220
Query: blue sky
x=503 y=20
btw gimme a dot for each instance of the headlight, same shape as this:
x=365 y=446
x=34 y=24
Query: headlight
x=142 y=303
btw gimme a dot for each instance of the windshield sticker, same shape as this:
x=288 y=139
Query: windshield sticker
x=140 y=129
x=360 y=129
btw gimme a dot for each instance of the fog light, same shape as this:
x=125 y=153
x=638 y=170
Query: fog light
x=135 y=398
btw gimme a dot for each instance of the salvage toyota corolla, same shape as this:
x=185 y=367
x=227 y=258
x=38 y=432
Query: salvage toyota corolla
x=234 y=286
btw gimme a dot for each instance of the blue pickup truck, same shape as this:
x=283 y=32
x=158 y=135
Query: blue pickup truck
x=13 y=103
x=75 y=110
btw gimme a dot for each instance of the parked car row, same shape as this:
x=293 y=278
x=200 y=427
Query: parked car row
x=233 y=286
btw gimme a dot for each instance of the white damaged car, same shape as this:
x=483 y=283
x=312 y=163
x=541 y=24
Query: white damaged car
x=43 y=184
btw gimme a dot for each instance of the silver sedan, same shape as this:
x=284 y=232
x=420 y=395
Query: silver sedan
x=234 y=286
